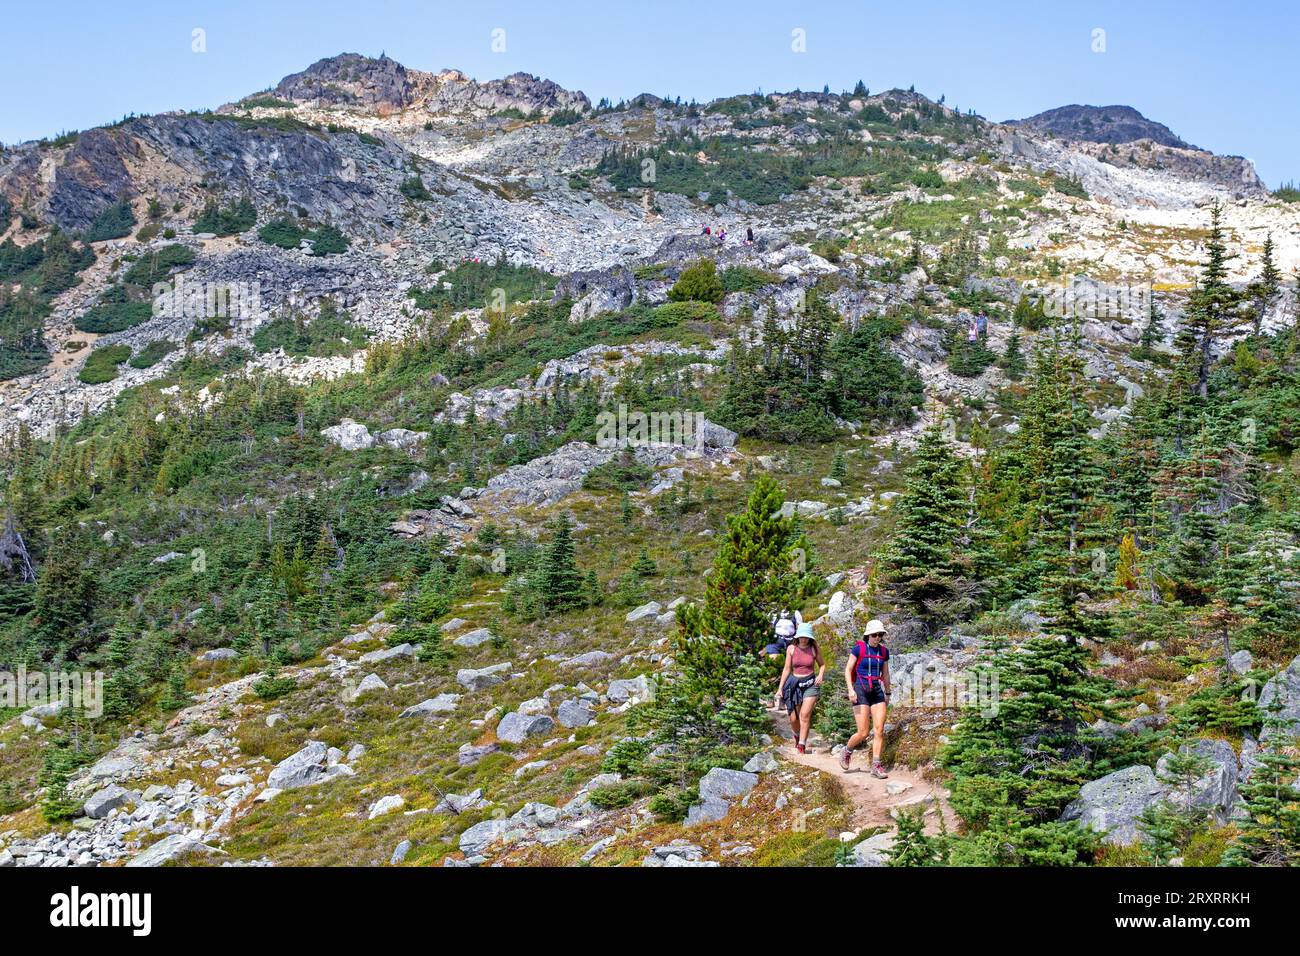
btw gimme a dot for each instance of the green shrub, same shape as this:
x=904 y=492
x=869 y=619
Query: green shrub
x=101 y=365
x=282 y=232
x=148 y=232
x=698 y=283
x=113 y=223
x=157 y=266
x=114 y=312
x=327 y=241
x=746 y=279
x=152 y=354
x=227 y=220
x=414 y=188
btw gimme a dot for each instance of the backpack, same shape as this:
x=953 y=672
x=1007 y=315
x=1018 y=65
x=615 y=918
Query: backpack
x=879 y=657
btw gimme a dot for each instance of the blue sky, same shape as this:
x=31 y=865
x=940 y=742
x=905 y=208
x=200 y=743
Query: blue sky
x=1223 y=76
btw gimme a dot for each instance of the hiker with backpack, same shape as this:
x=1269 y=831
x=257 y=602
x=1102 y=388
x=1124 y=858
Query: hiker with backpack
x=867 y=678
x=801 y=683
x=783 y=625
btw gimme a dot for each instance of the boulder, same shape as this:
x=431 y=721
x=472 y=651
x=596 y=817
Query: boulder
x=370 y=682
x=1215 y=791
x=106 y=800
x=349 y=435
x=483 y=677
x=515 y=727
x=474 y=638
x=469 y=754
x=590 y=659
x=302 y=769
x=442 y=704
x=1286 y=688
x=706 y=811
x=399 y=853
x=1112 y=804
x=762 y=762
x=219 y=654
x=388 y=653
x=385 y=805
x=871 y=851
x=720 y=783
x=482 y=835
x=170 y=849
x=636 y=690
x=652 y=609
x=574 y=713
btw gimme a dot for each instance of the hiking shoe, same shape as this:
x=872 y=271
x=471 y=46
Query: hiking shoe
x=879 y=771
x=845 y=757
x=801 y=748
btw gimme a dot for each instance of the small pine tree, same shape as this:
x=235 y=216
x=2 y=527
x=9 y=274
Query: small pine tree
x=1013 y=358
x=839 y=467
x=644 y=566
x=56 y=769
x=743 y=716
x=175 y=695
x=561 y=583
x=1270 y=834
x=912 y=846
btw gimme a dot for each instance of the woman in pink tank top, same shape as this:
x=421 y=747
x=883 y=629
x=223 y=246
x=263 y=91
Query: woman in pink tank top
x=801 y=683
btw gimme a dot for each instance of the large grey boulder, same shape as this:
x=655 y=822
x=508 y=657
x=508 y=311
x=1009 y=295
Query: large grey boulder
x=171 y=849
x=515 y=727
x=388 y=653
x=1111 y=805
x=636 y=690
x=474 y=638
x=1215 y=791
x=442 y=704
x=872 y=851
x=1285 y=687
x=482 y=835
x=652 y=609
x=302 y=769
x=715 y=436
x=105 y=801
x=349 y=435
x=723 y=784
x=483 y=677
x=574 y=713
x=706 y=811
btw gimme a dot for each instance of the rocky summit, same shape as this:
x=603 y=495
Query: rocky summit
x=423 y=462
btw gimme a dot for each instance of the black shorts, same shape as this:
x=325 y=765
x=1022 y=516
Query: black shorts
x=865 y=696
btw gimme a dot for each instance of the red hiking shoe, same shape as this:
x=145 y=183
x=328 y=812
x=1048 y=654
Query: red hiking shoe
x=801 y=748
x=845 y=757
x=879 y=771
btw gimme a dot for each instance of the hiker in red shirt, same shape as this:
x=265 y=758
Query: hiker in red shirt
x=867 y=678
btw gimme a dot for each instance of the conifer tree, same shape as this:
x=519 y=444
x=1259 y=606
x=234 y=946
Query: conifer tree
x=175 y=695
x=644 y=565
x=763 y=565
x=1270 y=834
x=924 y=564
x=560 y=582
x=743 y=716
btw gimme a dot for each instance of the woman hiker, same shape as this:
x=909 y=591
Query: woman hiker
x=867 y=678
x=800 y=686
